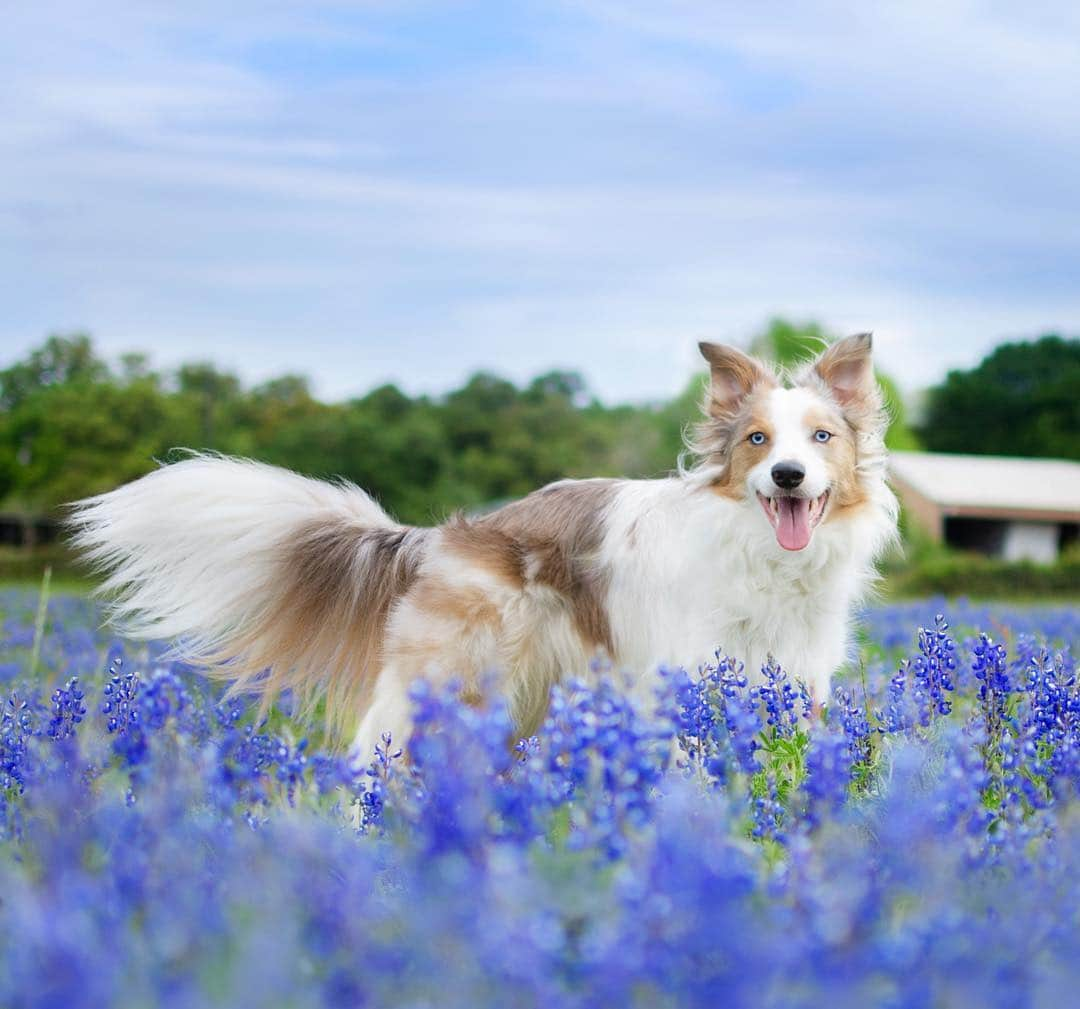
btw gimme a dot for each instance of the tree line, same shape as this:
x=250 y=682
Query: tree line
x=73 y=424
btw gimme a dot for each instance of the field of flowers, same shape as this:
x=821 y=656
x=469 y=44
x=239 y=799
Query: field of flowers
x=916 y=845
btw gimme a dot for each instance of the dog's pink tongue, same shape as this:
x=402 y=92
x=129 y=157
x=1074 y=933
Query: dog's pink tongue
x=793 y=529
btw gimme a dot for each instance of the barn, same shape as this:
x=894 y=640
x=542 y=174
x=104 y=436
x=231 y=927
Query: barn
x=1012 y=508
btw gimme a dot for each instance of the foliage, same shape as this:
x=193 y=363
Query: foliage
x=1022 y=399
x=917 y=845
x=788 y=344
x=421 y=457
x=18 y=565
x=949 y=573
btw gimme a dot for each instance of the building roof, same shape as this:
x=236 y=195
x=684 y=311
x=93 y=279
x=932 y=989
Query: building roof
x=975 y=483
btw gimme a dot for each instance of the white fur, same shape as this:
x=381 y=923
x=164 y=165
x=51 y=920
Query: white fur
x=192 y=547
x=706 y=573
x=790 y=443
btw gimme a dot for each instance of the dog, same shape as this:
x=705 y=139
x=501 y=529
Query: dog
x=761 y=548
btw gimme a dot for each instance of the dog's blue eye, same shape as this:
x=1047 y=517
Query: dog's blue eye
x=757 y=438
x=822 y=435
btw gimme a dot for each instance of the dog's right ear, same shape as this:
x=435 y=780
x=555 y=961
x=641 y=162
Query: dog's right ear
x=733 y=375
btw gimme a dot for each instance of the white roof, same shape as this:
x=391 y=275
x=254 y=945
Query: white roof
x=990 y=481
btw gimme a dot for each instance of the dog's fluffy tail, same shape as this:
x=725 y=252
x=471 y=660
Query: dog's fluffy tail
x=265 y=578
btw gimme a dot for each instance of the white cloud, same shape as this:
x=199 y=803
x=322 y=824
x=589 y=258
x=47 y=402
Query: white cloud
x=598 y=190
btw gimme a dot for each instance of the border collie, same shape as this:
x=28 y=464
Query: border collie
x=761 y=548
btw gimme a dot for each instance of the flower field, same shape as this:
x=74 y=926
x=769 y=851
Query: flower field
x=917 y=844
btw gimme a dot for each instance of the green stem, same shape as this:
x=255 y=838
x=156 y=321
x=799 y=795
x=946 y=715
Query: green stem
x=39 y=623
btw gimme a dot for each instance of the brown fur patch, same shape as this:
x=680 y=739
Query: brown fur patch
x=325 y=636
x=737 y=452
x=465 y=604
x=737 y=387
x=841 y=455
x=493 y=549
x=551 y=538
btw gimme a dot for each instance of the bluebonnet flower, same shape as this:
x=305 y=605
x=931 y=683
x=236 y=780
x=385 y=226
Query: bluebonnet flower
x=243 y=758
x=67 y=709
x=372 y=797
x=931 y=672
x=716 y=718
x=988 y=664
x=163 y=696
x=829 y=760
x=762 y=859
x=291 y=766
x=780 y=699
x=896 y=715
x=1050 y=735
x=119 y=695
x=599 y=758
x=918 y=693
x=768 y=812
x=853 y=721
x=17 y=726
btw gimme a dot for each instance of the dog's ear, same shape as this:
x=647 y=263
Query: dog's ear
x=847 y=370
x=732 y=376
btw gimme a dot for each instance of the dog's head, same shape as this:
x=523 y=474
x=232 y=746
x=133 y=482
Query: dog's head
x=805 y=452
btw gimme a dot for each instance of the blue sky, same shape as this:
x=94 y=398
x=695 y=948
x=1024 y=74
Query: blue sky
x=405 y=191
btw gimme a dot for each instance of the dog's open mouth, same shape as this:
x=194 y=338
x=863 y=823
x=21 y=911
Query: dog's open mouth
x=793 y=518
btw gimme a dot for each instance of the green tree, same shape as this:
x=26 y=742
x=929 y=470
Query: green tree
x=1022 y=399
x=77 y=437
x=61 y=360
x=212 y=399
x=788 y=344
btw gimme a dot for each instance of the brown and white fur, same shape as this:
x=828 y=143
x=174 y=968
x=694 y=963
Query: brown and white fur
x=275 y=581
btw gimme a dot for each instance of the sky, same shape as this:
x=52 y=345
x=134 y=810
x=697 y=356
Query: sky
x=405 y=191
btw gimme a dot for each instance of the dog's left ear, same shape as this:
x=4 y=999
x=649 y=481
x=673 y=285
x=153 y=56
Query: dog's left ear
x=733 y=375
x=847 y=370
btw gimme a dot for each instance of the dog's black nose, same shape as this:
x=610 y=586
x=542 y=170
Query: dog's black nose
x=788 y=474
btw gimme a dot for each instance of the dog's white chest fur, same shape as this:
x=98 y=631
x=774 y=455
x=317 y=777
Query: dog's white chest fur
x=693 y=572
